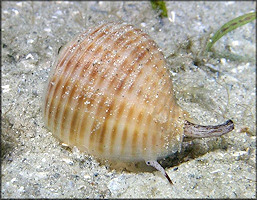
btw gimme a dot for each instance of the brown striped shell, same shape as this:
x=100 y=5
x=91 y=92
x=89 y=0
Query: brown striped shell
x=110 y=94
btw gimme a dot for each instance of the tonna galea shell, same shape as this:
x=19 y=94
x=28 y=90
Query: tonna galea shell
x=110 y=94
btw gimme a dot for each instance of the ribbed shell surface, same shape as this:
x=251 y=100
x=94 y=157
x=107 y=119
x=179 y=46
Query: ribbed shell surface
x=110 y=95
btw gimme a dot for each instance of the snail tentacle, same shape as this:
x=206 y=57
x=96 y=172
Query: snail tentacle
x=157 y=166
x=194 y=130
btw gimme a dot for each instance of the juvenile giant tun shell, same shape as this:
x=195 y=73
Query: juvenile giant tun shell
x=110 y=94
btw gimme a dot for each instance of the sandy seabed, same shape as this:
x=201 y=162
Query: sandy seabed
x=212 y=89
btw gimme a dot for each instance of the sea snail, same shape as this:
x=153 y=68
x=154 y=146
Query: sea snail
x=110 y=95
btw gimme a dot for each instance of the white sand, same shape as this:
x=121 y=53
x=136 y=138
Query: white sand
x=35 y=165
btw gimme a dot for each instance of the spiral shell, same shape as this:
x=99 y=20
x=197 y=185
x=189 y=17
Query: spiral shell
x=110 y=94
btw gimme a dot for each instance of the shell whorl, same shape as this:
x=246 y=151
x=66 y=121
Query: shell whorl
x=110 y=95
